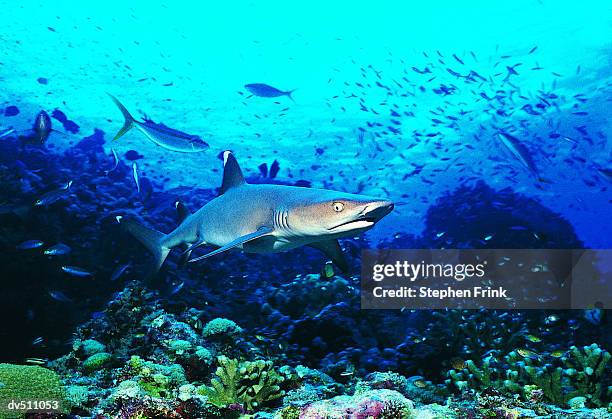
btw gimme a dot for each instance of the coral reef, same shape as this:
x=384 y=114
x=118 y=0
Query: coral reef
x=30 y=385
x=578 y=375
x=269 y=339
x=249 y=384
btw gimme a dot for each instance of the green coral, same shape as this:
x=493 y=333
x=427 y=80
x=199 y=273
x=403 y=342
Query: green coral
x=179 y=346
x=148 y=378
x=578 y=374
x=481 y=377
x=29 y=383
x=156 y=385
x=89 y=347
x=221 y=327
x=77 y=395
x=581 y=374
x=290 y=412
x=96 y=362
x=249 y=383
x=204 y=355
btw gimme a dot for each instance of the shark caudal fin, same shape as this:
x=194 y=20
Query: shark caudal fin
x=151 y=239
x=128 y=124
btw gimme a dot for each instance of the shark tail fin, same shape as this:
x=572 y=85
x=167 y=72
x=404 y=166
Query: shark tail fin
x=151 y=239
x=128 y=124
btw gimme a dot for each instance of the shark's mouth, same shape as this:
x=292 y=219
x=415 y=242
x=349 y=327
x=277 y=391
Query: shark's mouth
x=361 y=222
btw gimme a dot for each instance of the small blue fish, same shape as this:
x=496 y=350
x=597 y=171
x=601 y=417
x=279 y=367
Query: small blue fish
x=38 y=341
x=176 y=288
x=30 y=244
x=264 y=90
x=119 y=271
x=53 y=196
x=76 y=271
x=59 y=296
x=59 y=249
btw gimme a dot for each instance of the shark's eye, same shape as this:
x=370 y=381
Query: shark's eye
x=338 y=206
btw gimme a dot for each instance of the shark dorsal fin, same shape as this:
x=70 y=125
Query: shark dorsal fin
x=232 y=175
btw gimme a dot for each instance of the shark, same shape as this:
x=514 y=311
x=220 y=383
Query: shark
x=264 y=218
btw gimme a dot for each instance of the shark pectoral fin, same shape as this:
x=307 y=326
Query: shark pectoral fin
x=184 y=258
x=332 y=249
x=190 y=247
x=261 y=232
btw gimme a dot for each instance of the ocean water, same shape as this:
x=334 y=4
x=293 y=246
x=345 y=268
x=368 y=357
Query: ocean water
x=486 y=123
x=207 y=54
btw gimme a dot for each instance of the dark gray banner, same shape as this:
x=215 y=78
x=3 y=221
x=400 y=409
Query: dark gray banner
x=486 y=278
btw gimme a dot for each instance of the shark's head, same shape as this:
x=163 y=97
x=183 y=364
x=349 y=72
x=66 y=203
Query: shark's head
x=336 y=214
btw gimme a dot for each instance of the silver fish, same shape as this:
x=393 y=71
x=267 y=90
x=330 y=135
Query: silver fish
x=53 y=196
x=119 y=271
x=76 y=271
x=135 y=173
x=30 y=244
x=42 y=127
x=519 y=151
x=59 y=296
x=160 y=134
x=116 y=162
x=59 y=249
x=265 y=90
x=38 y=341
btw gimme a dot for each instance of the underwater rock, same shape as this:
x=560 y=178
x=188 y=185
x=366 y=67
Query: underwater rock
x=11 y=110
x=498 y=213
x=133 y=155
x=69 y=126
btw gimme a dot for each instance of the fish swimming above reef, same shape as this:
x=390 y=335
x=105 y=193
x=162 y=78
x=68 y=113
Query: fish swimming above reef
x=519 y=151
x=54 y=195
x=42 y=127
x=160 y=134
x=266 y=218
x=264 y=90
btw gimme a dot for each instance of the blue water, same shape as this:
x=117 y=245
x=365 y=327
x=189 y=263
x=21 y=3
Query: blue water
x=185 y=65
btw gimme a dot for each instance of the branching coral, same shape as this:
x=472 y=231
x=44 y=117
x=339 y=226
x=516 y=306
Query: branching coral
x=248 y=383
x=580 y=373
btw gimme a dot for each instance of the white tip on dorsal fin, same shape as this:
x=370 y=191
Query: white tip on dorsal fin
x=232 y=175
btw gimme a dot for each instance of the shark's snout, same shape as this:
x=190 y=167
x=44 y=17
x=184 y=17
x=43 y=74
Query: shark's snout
x=378 y=209
x=371 y=213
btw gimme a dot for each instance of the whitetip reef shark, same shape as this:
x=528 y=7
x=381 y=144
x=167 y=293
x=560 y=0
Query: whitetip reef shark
x=265 y=218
